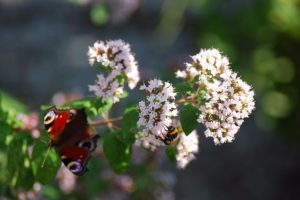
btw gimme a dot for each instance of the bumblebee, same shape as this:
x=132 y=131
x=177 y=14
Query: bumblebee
x=171 y=135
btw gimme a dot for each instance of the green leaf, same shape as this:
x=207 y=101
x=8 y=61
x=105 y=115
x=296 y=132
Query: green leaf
x=9 y=108
x=15 y=160
x=183 y=88
x=18 y=165
x=92 y=106
x=121 y=79
x=101 y=67
x=129 y=124
x=103 y=106
x=5 y=130
x=46 y=173
x=201 y=97
x=123 y=95
x=96 y=184
x=196 y=79
x=3 y=167
x=10 y=103
x=45 y=107
x=171 y=152
x=25 y=178
x=188 y=118
x=80 y=103
x=117 y=152
x=51 y=192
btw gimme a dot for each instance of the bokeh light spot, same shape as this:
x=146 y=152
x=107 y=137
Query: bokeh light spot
x=285 y=70
x=276 y=104
x=99 y=15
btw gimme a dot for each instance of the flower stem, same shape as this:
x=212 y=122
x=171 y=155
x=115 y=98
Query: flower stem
x=191 y=99
x=105 y=122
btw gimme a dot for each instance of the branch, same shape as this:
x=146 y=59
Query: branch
x=191 y=99
x=105 y=122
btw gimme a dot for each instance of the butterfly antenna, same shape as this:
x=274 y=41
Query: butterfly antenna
x=47 y=153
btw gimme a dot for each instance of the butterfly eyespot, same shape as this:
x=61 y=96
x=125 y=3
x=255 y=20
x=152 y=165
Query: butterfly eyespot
x=88 y=145
x=75 y=167
x=49 y=117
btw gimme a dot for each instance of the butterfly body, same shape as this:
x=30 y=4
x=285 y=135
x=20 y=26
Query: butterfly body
x=71 y=136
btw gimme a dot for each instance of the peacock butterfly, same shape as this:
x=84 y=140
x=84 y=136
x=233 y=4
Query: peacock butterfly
x=71 y=136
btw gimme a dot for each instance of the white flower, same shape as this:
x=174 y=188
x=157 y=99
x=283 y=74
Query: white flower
x=207 y=63
x=156 y=113
x=148 y=140
x=125 y=58
x=96 y=52
x=117 y=58
x=228 y=100
x=224 y=111
x=107 y=88
x=186 y=147
x=181 y=74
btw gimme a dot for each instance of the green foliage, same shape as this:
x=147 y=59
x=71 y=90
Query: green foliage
x=121 y=78
x=51 y=192
x=21 y=168
x=129 y=124
x=15 y=161
x=183 y=89
x=10 y=107
x=144 y=182
x=171 y=153
x=101 y=67
x=188 y=118
x=42 y=161
x=92 y=106
x=96 y=185
x=5 y=130
x=123 y=95
x=201 y=97
x=263 y=35
x=10 y=104
x=196 y=79
x=118 y=153
x=18 y=165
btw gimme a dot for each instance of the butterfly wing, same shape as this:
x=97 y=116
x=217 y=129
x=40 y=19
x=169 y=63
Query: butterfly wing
x=89 y=144
x=55 y=122
x=76 y=128
x=71 y=136
x=74 y=158
x=66 y=126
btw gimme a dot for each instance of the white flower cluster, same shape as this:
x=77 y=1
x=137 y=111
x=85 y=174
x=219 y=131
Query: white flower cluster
x=186 y=147
x=207 y=64
x=228 y=100
x=156 y=113
x=116 y=57
x=107 y=88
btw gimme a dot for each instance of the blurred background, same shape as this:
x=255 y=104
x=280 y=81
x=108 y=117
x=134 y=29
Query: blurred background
x=43 y=58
